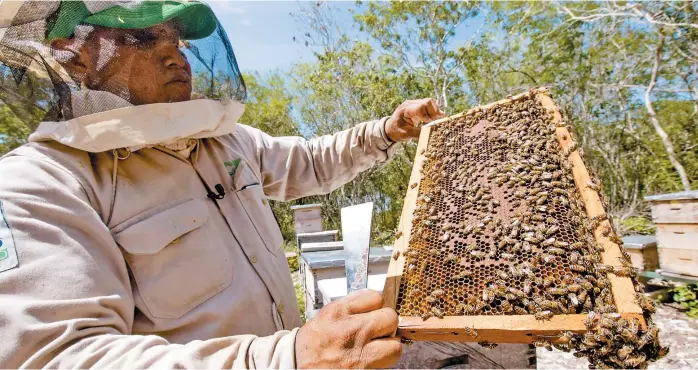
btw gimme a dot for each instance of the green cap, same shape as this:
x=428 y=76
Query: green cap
x=196 y=18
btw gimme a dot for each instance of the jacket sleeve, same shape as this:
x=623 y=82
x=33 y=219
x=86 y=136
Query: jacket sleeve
x=292 y=167
x=69 y=304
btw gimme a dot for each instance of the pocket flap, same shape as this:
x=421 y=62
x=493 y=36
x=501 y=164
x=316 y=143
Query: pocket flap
x=152 y=234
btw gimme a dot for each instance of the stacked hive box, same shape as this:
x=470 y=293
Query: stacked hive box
x=676 y=217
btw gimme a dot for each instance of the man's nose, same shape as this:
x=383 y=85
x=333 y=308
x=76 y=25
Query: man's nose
x=173 y=56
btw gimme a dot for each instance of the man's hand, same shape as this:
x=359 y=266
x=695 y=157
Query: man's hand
x=352 y=332
x=404 y=124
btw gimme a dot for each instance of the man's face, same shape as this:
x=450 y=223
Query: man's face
x=142 y=66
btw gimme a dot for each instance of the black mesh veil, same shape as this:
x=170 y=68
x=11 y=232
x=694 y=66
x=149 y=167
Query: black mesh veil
x=56 y=64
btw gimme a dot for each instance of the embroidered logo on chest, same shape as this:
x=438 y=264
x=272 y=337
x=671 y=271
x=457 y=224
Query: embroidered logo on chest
x=8 y=254
x=232 y=166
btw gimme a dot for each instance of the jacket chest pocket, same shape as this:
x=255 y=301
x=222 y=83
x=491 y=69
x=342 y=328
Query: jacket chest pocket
x=250 y=194
x=177 y=259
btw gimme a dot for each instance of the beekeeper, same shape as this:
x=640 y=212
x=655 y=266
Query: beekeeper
x=134 y=226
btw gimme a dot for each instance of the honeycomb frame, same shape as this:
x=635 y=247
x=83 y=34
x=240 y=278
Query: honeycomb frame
x=507 y=328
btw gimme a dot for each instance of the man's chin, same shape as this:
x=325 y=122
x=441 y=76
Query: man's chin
x=179 y=97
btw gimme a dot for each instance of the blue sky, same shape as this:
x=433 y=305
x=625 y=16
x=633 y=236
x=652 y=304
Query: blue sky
x=262 y=32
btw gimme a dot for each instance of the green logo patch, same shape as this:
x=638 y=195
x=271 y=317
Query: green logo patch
x=8 y=254
x=232 y=166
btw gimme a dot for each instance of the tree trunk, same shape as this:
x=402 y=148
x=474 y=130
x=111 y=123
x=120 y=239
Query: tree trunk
x=668 y=146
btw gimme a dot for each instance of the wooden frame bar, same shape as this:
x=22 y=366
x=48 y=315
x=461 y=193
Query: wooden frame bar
x=507 y=328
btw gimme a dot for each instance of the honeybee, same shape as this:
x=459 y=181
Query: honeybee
x=593 y=186
x=446 y=236
x=596 y=220
x=437 y=312
x=604 y=269
x=607 y=322
x=396 y=254
x=470 y=331
x=558 y=291
x=645 y=302
x=633 y=325
x=413 y=185
x=649 y=337
x=547 y=242
x=590 y=321
x=552 y=230
x=543 y=315
x=520 y=311
x=616 y=239
x=623 y=271
x=561 y=244
x=556 y=251
x=547 y=258
x=487 y=295
x=606 y=308
x=437 y=293
x=566 y=337
x=527 y=285
x=634 y=361
x=506 y=306
x=542 y=343
x=488 y=345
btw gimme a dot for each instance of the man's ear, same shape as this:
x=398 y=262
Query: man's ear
x=71 y=57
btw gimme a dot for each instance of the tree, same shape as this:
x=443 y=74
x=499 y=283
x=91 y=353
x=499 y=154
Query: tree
x=420 y=36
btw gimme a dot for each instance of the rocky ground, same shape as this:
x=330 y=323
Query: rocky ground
x=677 y=331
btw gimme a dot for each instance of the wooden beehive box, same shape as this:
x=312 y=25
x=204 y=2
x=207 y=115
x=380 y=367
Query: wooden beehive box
x=643 y=251
x=676 y=218
x=307 y=218
x=508 y=153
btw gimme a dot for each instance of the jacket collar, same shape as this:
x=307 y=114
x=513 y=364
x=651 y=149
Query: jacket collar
x=105 y=121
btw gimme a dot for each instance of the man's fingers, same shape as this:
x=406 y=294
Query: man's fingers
x=380 y=323
x=433 y=109
x=424 y=110
x=381 y=353
x=363 y=301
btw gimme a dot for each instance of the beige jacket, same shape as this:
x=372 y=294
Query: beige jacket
x=127 y=262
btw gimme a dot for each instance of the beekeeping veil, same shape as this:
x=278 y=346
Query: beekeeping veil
x=101 y=75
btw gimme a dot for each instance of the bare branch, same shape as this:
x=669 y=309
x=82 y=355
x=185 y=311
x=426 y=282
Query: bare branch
x=668 y=146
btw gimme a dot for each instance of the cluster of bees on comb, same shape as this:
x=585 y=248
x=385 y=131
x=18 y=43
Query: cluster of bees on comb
x=500 y=229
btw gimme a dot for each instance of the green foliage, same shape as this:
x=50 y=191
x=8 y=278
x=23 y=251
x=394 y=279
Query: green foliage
x=13 y=132
x=637 y=225
x=294 y=263
x=687 y=296
x=300 y=296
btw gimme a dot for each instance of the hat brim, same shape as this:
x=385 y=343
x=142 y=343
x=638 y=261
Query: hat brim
x=196 y=19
